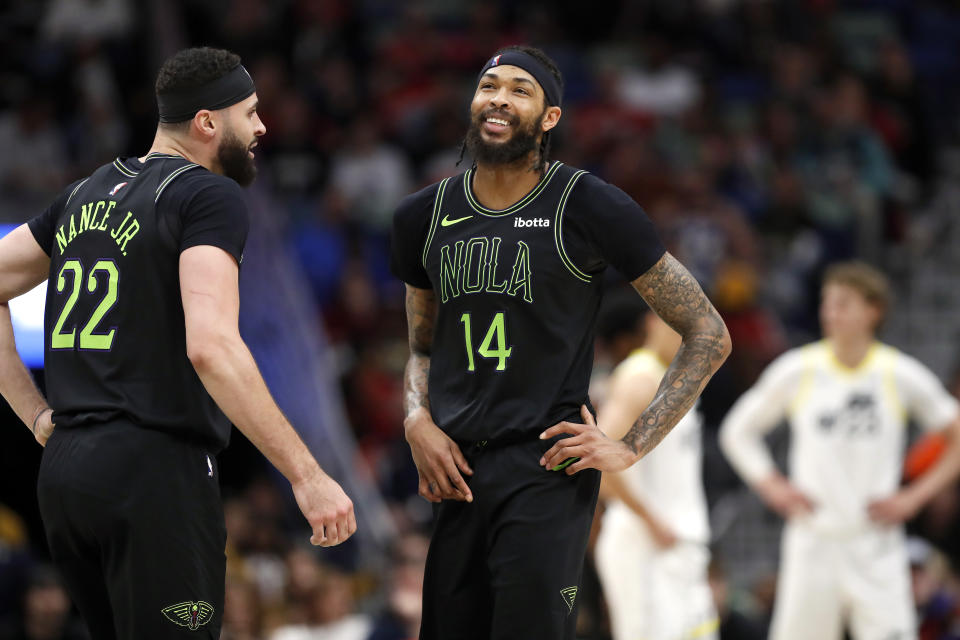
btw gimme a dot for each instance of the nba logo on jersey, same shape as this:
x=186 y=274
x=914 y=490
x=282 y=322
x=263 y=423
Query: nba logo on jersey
x=113 y=191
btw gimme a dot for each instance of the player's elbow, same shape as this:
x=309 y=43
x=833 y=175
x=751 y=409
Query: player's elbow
x=207 y=350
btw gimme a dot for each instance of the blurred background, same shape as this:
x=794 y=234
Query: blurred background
x=765 y=138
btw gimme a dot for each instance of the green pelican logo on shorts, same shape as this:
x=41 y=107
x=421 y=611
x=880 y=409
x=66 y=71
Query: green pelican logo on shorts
x=192 y=615
x=569 y=595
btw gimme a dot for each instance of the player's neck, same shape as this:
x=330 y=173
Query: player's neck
x=501 y=186
x=851 y=351
x=163 y=143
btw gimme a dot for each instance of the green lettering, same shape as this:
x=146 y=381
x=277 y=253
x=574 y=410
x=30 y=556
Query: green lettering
x=450 y=271
x=493 y=286
x=474 y=272
x=85 y=212
x=127 y=235
x=61 y=239
x=73 y=231
x=116 y=232
x=521 y=273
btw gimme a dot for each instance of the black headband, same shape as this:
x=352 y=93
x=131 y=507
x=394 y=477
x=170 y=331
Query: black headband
x=551 y=88
x=227 y=90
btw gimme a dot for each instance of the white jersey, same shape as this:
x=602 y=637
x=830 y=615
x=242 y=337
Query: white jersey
x=668 y=480
x=847 y=426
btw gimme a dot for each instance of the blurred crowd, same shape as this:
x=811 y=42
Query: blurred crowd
x=765 y=138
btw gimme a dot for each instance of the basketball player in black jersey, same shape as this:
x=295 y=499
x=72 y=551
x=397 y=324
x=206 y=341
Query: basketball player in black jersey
x=503 y=266
x=143 y=359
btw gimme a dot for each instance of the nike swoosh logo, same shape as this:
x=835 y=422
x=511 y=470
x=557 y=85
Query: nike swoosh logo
x=446 y=222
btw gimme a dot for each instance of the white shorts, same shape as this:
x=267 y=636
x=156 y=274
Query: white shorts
x=653 y=594
x=860 y=582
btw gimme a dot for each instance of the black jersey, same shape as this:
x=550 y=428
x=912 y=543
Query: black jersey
x=518 y=293
x=115 y=341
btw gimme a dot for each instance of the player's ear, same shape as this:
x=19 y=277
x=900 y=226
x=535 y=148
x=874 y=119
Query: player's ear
x=204 y=124
x=550 y=118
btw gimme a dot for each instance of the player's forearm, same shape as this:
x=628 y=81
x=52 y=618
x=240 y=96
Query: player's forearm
x=415 y=382
x=230 y=375
x=16 y=384
x=704 y=349
x=674 y=294
x=943 y=472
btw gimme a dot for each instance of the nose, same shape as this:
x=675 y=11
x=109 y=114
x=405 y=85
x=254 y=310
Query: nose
x=500 y=98
x=260 y=128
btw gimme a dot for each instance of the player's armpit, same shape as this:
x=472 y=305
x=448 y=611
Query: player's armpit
x=674 y=294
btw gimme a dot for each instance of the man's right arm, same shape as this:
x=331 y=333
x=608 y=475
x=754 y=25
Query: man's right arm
x=23 y=265
x=438 y=459
x=211 y=305
x=754 y=415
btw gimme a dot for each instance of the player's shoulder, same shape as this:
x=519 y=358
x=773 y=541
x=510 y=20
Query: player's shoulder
x=420 y=203
x=197 y=178
x=190 y=186
x=592 y=193
x=905 y=366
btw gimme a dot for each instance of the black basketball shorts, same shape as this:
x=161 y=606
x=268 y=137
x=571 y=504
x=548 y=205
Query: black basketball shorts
x=508 y=565
x=135 y=524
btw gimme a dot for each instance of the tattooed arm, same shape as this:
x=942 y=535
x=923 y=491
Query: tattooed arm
x=677 y=298
x=421 y=316
x=438 y=458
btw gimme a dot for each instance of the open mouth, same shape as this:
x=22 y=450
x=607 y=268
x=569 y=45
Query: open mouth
x=496 y=124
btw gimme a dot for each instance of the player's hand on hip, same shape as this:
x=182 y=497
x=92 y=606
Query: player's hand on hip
x=895 y=509
x=327 y=508
x=440 y=463
x=588 y=443
x=783 y=497
x=43 y=428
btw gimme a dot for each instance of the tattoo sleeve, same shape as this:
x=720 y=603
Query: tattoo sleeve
x=677 y=298
x=421 y=315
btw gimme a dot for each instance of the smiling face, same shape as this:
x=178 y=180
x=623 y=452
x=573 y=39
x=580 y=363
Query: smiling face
x=508 y=116
x=241 y=128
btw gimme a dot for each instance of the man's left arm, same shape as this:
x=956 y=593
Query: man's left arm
x=934 y=409
x=23 y=265
x=674 y=294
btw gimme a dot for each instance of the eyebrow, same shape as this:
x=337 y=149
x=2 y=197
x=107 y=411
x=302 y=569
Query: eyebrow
x=515 y=79
x=255 y=106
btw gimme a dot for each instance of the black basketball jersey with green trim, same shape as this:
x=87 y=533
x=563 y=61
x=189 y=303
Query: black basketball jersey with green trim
x=115 y=342
x=518 y=292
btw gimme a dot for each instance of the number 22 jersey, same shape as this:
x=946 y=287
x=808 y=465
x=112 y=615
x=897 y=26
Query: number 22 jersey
x=518 y=291
x=115 y=341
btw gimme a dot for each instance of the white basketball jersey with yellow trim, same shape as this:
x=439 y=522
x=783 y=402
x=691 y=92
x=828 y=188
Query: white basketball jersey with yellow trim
x=668 y=480
x=848 y=426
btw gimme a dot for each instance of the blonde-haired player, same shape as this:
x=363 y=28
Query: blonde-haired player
x=847 y=399
x=651 y=553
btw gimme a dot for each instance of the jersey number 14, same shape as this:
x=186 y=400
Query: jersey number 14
x=495 y=334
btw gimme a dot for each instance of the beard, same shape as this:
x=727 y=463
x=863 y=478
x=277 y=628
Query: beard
x=516 y=148
x=235 y=160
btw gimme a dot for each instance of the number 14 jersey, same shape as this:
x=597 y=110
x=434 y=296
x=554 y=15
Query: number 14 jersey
x=518 y=292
